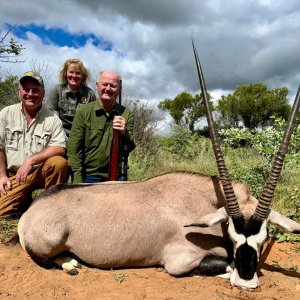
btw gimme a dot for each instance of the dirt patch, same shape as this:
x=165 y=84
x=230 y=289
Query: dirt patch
x=21 y=278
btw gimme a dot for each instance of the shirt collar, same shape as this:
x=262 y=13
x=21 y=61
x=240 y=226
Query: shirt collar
x=66 y=89
x=43 y=107
x=98 y=107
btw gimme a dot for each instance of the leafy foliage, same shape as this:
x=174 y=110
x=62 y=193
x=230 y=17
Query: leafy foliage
x=253 y=106
x=275 y=233
x=9 y=91
x=265 y=142
x=185 y=109
x=228 y=112
x=9 y=50
x=185 y=145
x=253 y=174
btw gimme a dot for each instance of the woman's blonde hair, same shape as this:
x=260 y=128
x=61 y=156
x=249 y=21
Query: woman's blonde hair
x=84 y=71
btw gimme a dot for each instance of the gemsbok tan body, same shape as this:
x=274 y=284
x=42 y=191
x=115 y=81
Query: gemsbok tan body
x=140 y=224
x=184 y=222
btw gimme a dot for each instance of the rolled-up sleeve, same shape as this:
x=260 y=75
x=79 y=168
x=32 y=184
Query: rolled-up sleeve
x=58 y=137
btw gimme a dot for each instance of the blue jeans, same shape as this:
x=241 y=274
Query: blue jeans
x=93 y=179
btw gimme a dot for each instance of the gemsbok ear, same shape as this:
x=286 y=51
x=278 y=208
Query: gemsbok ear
x=211 y=219
x=283 y=223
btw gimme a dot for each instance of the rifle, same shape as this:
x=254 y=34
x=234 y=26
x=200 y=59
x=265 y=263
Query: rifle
x=118 y=164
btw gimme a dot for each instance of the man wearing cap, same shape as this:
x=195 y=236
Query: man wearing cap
x=32 y=147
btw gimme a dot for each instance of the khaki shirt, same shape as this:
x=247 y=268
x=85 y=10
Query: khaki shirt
x=19 y=141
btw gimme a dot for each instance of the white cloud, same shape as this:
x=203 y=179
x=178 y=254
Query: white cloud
x=216 y=94
x=239 y=42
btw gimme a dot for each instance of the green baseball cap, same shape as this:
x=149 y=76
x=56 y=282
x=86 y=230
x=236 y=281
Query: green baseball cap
x=34 y=75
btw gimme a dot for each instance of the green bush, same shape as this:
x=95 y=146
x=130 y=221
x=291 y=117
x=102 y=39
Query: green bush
x=266 y=142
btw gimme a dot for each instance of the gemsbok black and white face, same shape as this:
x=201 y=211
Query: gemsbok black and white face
x=248 y=237
x=247 y=234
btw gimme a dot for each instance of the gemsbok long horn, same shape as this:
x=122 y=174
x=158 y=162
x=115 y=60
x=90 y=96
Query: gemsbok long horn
x=262 y=208
x=232 y=203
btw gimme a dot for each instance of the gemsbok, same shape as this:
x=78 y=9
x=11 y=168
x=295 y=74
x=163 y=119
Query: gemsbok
x=184 y=222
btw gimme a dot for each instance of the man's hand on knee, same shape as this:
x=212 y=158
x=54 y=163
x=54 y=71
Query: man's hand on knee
x=24 y=171
x=4 y=181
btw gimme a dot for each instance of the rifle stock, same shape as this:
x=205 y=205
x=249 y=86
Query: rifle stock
x=114 y=157
x=118 y=153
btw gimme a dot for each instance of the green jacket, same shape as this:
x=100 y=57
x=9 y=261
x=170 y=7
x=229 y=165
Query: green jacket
x=90 y=140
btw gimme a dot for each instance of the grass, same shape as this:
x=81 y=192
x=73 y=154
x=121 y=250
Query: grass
x=8 y=229
x=287 y=194
x=120 y=277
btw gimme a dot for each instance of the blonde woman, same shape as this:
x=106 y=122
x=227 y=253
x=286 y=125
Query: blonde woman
x=72 y=92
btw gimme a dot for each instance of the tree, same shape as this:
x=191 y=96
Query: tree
x=44 y=69
x=9 y=91
x=185 y=109
x=9 y=50
x=253 y=106
x=228 y=112
x=146 y=122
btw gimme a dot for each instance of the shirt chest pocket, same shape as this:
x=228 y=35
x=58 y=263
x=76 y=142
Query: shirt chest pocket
x=68 y=106
x=95 y=135
x=13 y=137
x=40 y=141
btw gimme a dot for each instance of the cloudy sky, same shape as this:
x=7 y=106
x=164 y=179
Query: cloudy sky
x=149 y=42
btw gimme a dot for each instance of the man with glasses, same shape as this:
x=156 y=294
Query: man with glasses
x=91 y=136
x=32 y=147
